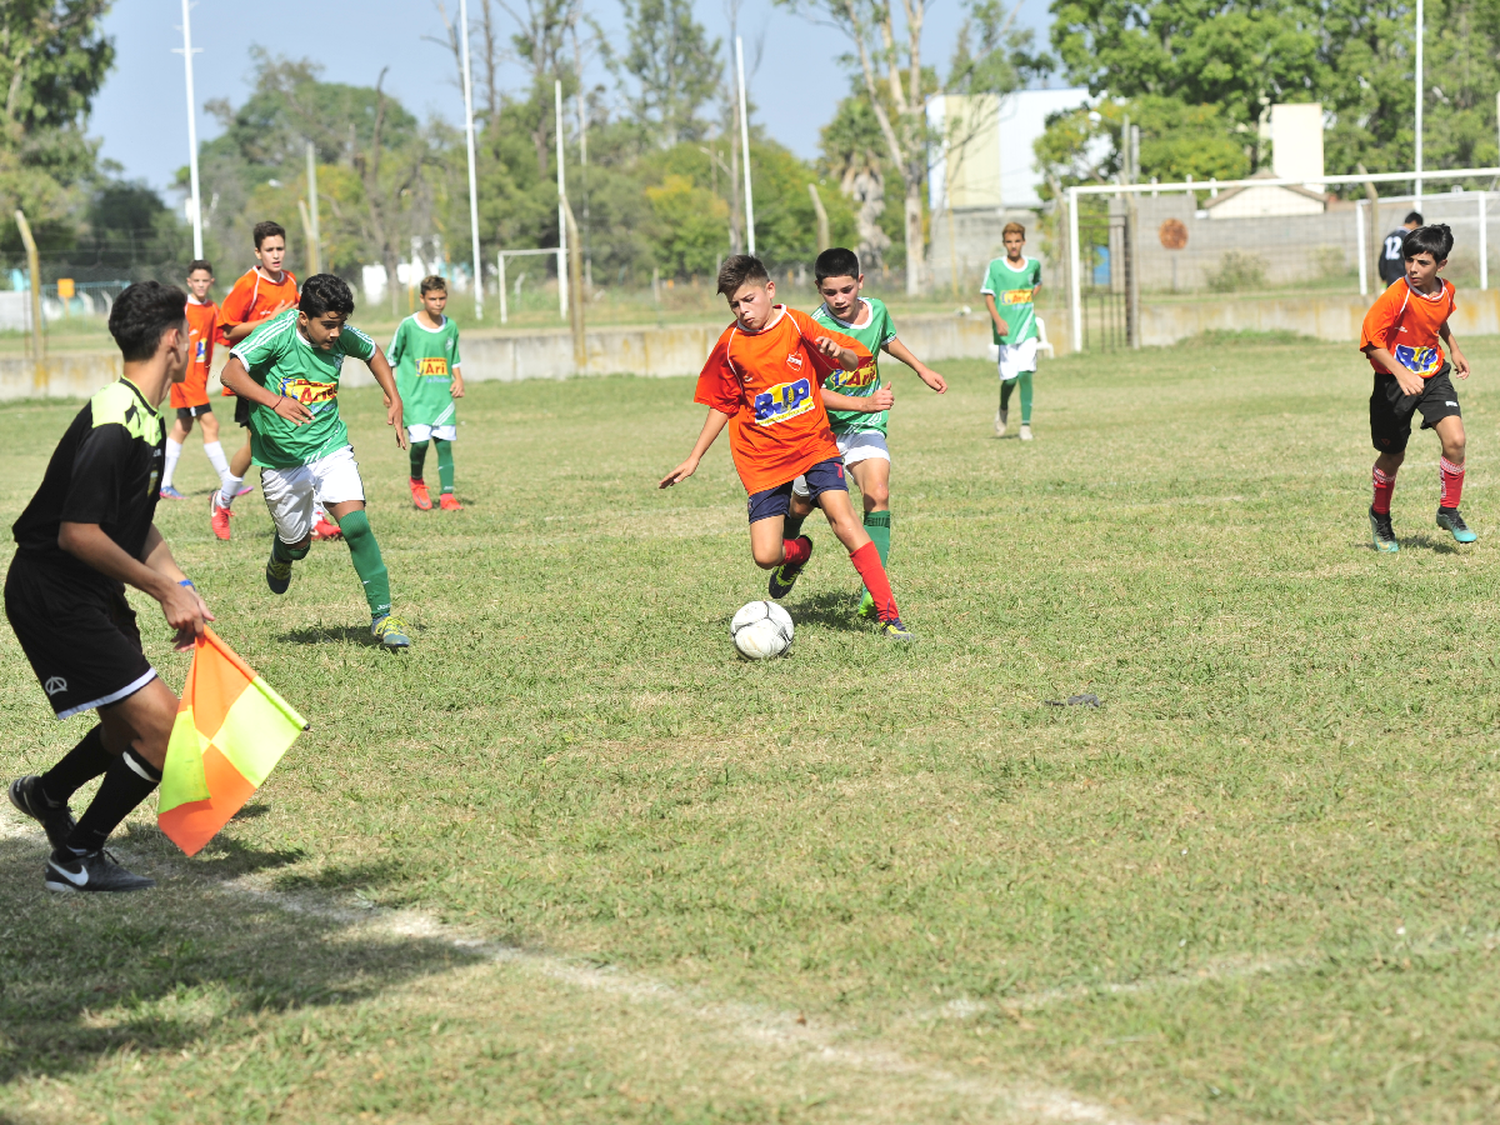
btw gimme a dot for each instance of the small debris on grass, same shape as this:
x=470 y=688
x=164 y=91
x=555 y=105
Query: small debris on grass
x=1087 y=700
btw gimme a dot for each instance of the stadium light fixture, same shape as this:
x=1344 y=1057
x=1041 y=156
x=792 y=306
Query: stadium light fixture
x=463 y=19
x=187 y=52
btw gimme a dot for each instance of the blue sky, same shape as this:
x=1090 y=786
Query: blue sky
x=141 y=113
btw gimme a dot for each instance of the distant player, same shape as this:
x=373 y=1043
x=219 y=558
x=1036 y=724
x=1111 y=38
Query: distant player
x=861 y=436
x=424 y=353
x=88 y=532
x=1401 y=337
x=764 y=380
x=288 y=372
x=1010 y=288
x=1392 y=256
x=190 y=397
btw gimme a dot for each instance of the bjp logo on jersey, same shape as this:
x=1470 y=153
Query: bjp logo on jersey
x=1018 y=296
x=783 y=401
x=433 y=367
x=310 y=394
x=1422 y=361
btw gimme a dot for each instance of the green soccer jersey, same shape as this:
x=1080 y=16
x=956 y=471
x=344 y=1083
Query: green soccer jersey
x=281 y=359
x=424 y=359
x=1014 y=291
x=873 y=331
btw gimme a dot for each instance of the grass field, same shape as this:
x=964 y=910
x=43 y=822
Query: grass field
x=568 y=860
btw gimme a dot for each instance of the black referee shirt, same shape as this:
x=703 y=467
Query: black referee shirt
x=106 y=470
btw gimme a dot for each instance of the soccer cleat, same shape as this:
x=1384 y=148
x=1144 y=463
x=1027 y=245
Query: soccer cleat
x=1449 y=520
x=245 y=490
x=1025 y=432
x=419 y=495
x=92 y=871
x=390 y=631
x=1382 y=533
x=325 y=528
x=278 y=574
x=56 y=821
x=1000 y=417
x=170 y=493
x=893 y=630
x=784 y=577
x=866 y=607
x=449 y=503
x=218 y=516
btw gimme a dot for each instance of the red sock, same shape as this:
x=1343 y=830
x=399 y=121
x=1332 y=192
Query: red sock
x=866 y=560
x=1452 y=477
x=795 y=551
x=1385 y=484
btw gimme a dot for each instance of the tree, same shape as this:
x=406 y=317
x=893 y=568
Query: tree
x=1177 y=141
x=674 y=67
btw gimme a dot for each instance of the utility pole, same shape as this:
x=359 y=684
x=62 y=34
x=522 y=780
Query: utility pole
x=187 y=52
x=314 y=237
x=463 y=19
x=562 y=209
x=1421 y=22
x=739 y=58
x=38 y=337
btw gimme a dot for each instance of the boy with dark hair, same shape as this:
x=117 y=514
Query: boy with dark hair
x=424 y=353
x=1401 y=337
x=87 y=532
x=190 y=397
x=861 y=436
x=288 y=372
x=1014 y=282
x=764 y=380
x=1392 y=256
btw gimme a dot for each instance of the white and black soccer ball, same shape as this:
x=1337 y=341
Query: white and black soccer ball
x=761 y=630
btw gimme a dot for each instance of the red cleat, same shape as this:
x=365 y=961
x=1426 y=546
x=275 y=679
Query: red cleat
x=449 y=503
x=218 y=516
x=325 y=528
x=419 y=495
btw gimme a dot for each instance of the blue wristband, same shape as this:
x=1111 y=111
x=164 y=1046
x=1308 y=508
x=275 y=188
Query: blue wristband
x=187 y=582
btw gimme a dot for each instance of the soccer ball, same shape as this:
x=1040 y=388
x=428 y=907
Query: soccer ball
x=761 y=630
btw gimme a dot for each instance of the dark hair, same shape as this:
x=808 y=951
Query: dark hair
x=325 y=293
x=836 y=261
x=1436 y=240
x=433 y=282
x=267 y=230
x=739 y=269
x=199 y=264
x=142 y=314
x=1412 y=217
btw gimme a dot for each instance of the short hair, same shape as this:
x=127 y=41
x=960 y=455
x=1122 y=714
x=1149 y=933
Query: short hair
x=433 y=282
x=142 y=314
x=836 y=261
x=267 y=230
x=1436 y=240
x=738 y=270
x=1013 y=228
x=199 y=264
x=324 y=293
x=1412 y=217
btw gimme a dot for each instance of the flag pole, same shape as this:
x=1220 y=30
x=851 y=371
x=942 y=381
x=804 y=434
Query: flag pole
x=463 y=18
x=187 y=52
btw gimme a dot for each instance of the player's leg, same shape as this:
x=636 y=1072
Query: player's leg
x=222 y=501
x=1450 y=431
x=419 y=437
x=1390 y=430
x=832 y=495
x=213 y=449
x=344 y=494
x=799 y=508
x=869 y=464
x=1024 y=382
x=175 y=439
x=289 y=498
x=443 y=438
x=323 y=527
x=769 y=546
x=1007 y=388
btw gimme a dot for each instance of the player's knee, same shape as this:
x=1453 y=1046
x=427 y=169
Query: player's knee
x=355 y=525
x=877 y=498
x=767 y=559
x=299 y=550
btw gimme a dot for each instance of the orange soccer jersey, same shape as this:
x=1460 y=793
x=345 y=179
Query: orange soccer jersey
x=254 y=299
x=202 y=328
x=1406 y=323
x=771 y=383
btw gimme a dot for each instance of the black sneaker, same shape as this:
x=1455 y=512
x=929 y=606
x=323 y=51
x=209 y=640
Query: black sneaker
x=1381 y=531
x=57 y=821
x=93 y=871
x=1449 y=520
x=784 y=577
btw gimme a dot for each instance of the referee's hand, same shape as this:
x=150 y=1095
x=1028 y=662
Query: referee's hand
x=186 y=614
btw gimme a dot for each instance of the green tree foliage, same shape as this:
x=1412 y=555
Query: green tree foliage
x=1177 y=141
x=669 y=71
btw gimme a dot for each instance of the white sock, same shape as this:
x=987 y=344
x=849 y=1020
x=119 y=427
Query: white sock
x=229 y=489
x=174 y=454
x=216 y=458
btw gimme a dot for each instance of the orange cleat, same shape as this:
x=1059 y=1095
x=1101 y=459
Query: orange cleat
x=419 y=495
x=325 y=528
x=449 y=503
x=218 y=516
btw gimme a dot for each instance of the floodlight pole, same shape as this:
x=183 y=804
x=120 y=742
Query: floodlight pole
x=1075 y=268
x=314 y=235
x=739 y=58
x=1420 y=100
x=562 y=220
x=463 y=19
x=1359 y=242
x=1484 y=242
x=187 y=52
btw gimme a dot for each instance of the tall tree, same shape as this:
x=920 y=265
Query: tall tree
x=673 y=69
x=540 y=42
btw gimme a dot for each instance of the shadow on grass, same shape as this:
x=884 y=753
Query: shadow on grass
x=86 y=976
x=325 y=634
x=830 y=609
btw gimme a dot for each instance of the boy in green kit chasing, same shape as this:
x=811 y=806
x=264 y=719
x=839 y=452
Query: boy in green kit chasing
x=861 y=437
x=424 y=353
x=1010 y=287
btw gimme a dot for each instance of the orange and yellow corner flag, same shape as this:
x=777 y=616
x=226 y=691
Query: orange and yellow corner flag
x=231 y=730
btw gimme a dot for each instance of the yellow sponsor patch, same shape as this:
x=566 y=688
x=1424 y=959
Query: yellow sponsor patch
x=309 y=393
x=856 y=380
x=1018 y=297
x=435 y=366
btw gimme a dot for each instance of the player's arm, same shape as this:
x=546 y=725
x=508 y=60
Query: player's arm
x=155 y=574
x=238 y=380
x=995 y=318
x=381 y=369
x=894 y=347
x=713 y=426
x=1409 y=381
x=457 y=390
x=883 y=398
x=845 y=357
x=1460 y=364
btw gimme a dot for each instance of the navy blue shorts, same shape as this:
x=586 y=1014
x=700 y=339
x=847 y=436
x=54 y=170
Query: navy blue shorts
x=825 y=476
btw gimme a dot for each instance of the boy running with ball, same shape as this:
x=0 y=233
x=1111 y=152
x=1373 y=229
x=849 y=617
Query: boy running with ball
x=1010 y=289
x=288 y=371
x=424 y=353
x=764 y=380
x=861 y=436
x=190 y=397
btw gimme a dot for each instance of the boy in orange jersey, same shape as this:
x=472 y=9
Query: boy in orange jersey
x=190 y=397
x=1400 y=337
x=764 y=380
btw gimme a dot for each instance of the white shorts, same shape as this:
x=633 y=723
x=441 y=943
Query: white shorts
x=1016 y=358
x=418 y=432
x=289 y=492
x=853 y=448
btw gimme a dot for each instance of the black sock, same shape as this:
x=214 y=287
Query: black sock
x=129 y=781
x=792 y=526
x=79 y=766
x=1006 y=386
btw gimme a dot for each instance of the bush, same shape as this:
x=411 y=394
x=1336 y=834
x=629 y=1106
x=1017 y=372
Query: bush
x=1238 y=270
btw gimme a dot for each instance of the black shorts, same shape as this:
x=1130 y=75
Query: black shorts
x=81 y=639
x=241 y=411
x=825 y=476
x=188 y=413
x=1391 y=410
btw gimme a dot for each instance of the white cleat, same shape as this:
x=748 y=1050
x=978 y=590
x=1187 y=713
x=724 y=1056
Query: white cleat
x=1000 y=416
x=1025 y=432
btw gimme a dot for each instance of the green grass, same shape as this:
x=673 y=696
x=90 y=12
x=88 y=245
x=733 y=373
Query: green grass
x=1257 y=884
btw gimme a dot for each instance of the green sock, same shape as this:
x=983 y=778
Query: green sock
x=419 y=458
x=367 y=562
x=445 y=463
x=791 y=527
x=285 y=552
x=1025 y=381
x=878 y=527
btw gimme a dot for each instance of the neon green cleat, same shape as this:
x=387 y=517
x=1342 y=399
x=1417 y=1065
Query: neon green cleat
x=866 y=607
x=893 y=630
x=390 y=631
x=1381 y=533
